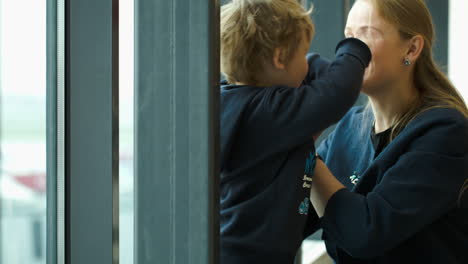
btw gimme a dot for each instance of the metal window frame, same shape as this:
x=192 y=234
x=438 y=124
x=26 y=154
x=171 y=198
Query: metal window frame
x=177 y=126
x=91 y=132
x=55 y=132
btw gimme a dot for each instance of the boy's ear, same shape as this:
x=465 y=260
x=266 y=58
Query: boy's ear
x=278 y=62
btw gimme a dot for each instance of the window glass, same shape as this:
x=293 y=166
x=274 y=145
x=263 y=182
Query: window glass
x=126 y=130
x=23 y=131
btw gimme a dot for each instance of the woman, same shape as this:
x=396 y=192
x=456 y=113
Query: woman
x=396 y=167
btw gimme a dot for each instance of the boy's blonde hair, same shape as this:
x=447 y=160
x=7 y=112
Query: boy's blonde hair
x=251 y=30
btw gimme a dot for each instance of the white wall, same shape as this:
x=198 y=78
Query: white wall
x=458 y=49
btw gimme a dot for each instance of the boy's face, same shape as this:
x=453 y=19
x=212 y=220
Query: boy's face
x=290 y=73
x=296 y=69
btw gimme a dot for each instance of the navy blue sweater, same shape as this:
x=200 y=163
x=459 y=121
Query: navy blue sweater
x=401 y=206
x=266 y=138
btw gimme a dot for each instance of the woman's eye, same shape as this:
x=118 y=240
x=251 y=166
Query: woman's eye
x=370 y=33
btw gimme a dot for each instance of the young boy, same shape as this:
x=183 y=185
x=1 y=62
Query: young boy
x=275 y=100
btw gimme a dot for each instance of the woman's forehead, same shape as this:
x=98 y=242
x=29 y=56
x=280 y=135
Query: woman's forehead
x=363 y=14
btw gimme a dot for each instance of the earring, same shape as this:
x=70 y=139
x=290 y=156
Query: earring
x=407 y=62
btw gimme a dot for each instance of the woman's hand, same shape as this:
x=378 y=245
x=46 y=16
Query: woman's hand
x=324 y=185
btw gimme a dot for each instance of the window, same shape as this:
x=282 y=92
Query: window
x=457 y=56
x=23 y=131
x=126 y=98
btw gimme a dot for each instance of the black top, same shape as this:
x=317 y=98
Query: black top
x=380 y=140
x=266 y=147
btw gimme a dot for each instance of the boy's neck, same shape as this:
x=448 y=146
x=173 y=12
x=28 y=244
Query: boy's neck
x=259 y=84
x=265 y=80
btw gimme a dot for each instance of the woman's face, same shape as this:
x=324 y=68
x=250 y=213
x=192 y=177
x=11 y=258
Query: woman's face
x=388 y=49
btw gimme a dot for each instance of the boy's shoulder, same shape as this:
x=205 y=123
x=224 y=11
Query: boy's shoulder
x=241 y=94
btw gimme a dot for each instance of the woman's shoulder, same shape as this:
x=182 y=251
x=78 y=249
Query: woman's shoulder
x=352 y=129
x=440 y=119
x=356 y=117
x=442 y=130
x=441 y=115
x=357 y=122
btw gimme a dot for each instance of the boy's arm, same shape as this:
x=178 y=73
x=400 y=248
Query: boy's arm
x=295 y=115
x=318 y=65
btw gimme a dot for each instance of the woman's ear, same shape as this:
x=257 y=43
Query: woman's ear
x=278 y=62
x=416 y=46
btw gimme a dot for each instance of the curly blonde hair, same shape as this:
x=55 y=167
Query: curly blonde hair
x=251 y=30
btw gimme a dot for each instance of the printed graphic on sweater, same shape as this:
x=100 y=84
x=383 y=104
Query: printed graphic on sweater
x=310 y=164
x=354 y=178
x=304 y=206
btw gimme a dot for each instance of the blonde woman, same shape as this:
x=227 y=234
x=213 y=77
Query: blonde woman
x=390 y=188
